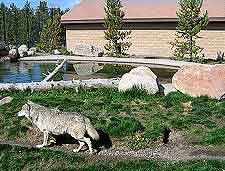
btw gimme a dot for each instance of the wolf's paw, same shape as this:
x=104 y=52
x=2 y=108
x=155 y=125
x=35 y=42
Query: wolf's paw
x=39 y=146
x=76 y=150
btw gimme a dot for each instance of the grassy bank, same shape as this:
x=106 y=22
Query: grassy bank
x=134 y=118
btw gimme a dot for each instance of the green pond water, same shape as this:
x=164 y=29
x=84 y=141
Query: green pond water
x=22 y=72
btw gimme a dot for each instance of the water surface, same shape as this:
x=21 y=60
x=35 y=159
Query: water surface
x=22 y=72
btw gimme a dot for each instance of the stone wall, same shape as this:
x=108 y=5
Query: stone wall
x=149 y=39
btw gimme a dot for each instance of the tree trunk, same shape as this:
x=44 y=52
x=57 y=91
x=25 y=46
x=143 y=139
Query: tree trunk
x=56 y=70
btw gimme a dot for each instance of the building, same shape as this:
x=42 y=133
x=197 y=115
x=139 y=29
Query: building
x=153 y=25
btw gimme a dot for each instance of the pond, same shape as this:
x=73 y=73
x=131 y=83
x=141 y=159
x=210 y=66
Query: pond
x=22 y=72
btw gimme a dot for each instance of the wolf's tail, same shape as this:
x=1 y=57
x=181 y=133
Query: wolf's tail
x=91 y=131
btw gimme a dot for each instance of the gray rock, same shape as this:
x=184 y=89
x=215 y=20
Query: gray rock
x=56 y=52
x=12 y=52
x=30 y=53
x=23 y=50
x=5 y=100
x=87 y=50
x=167 y=88
x=141 y=77
x=34 y=49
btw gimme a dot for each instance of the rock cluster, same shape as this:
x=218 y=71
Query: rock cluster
x=194 y=80
x=23 y=51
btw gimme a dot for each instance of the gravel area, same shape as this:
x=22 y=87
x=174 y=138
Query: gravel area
x=169 y=152
x=177 y=149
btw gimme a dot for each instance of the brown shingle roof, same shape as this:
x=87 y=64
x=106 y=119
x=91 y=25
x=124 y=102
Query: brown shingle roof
x=92 y=11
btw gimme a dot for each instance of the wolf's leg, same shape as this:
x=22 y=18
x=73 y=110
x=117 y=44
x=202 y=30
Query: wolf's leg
x=45 y=142
x=88 y=142
x=80 y=147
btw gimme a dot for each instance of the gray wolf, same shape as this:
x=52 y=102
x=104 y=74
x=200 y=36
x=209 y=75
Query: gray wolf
x=53 y=121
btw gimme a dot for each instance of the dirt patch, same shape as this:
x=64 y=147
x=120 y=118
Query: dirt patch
x=177 y=149
x=186 y=107
x=169 y=152
x=34 y=136
x=207 y=152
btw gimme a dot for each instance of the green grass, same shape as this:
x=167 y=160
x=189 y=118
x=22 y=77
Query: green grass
x=14 y=158
x=133 y=117
x=157 y=166
x=27 y=159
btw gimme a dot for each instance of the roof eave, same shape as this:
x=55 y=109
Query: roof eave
x=148 y=20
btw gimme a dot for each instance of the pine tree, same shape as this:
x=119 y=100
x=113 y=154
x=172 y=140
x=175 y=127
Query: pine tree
x=51 y=35
x=190 y=24
x=3 y=11
x=41 y=18
x=14 y=29
x=118 y=40
x=23 y=26
x=27 y=15
x=56 y=31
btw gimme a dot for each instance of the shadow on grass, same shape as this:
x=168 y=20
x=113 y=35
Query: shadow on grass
x=104 y=141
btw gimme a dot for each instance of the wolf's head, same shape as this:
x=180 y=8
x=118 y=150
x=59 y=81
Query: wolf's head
x=25 y=110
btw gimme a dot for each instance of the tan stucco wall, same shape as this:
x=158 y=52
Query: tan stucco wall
x=151 y=41
x=92 y=37
x=212 y=41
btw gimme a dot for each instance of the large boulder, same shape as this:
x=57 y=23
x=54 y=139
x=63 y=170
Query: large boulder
x=12 y=52
x=87 y=50
x=201 y=80
x=141 y=77
x=23 y=49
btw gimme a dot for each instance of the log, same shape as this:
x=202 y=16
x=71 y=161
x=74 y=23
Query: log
x=38 y=86
x=56 y=70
